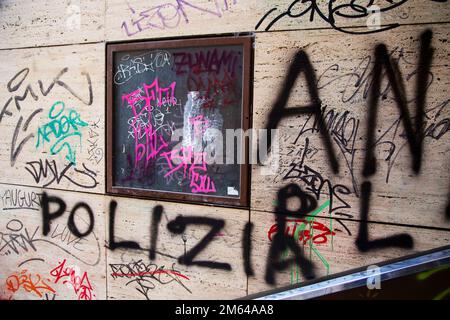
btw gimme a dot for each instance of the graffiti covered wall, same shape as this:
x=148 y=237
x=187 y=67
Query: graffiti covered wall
x=373 y=186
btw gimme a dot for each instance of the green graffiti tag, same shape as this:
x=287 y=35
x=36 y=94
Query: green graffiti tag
x=426 y=274
x=295 y=272
x=61 y=126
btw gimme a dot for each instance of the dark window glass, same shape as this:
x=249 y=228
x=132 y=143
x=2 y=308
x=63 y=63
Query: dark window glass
x=170 y=104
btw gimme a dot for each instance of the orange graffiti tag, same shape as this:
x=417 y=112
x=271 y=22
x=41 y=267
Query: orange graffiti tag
x=29 y=282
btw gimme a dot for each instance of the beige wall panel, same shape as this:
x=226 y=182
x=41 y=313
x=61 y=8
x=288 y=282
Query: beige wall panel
x=287 y=15
x=166 y=18
x=52 y=102
x=165 y=277
x=330 y=247
x=37 y=23
x=35 y=266
x=138 y=20
x=343 y=69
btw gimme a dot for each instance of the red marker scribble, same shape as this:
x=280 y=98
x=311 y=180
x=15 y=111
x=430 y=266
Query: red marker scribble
x=145 y=276
x=319 y=232
x=81 y=284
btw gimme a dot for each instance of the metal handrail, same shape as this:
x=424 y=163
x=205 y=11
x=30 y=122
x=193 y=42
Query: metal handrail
x=387 y=271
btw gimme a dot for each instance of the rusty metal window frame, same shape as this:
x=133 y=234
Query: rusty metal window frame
x=111 y=188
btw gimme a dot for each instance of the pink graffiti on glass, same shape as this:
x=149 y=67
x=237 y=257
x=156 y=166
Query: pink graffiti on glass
x=200 y=124
x=199 y=183
x=154 y=96
x=183 y=156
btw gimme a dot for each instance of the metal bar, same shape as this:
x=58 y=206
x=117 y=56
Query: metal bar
x=358 y=279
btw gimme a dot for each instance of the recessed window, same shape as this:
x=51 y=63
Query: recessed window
x=176 y=111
